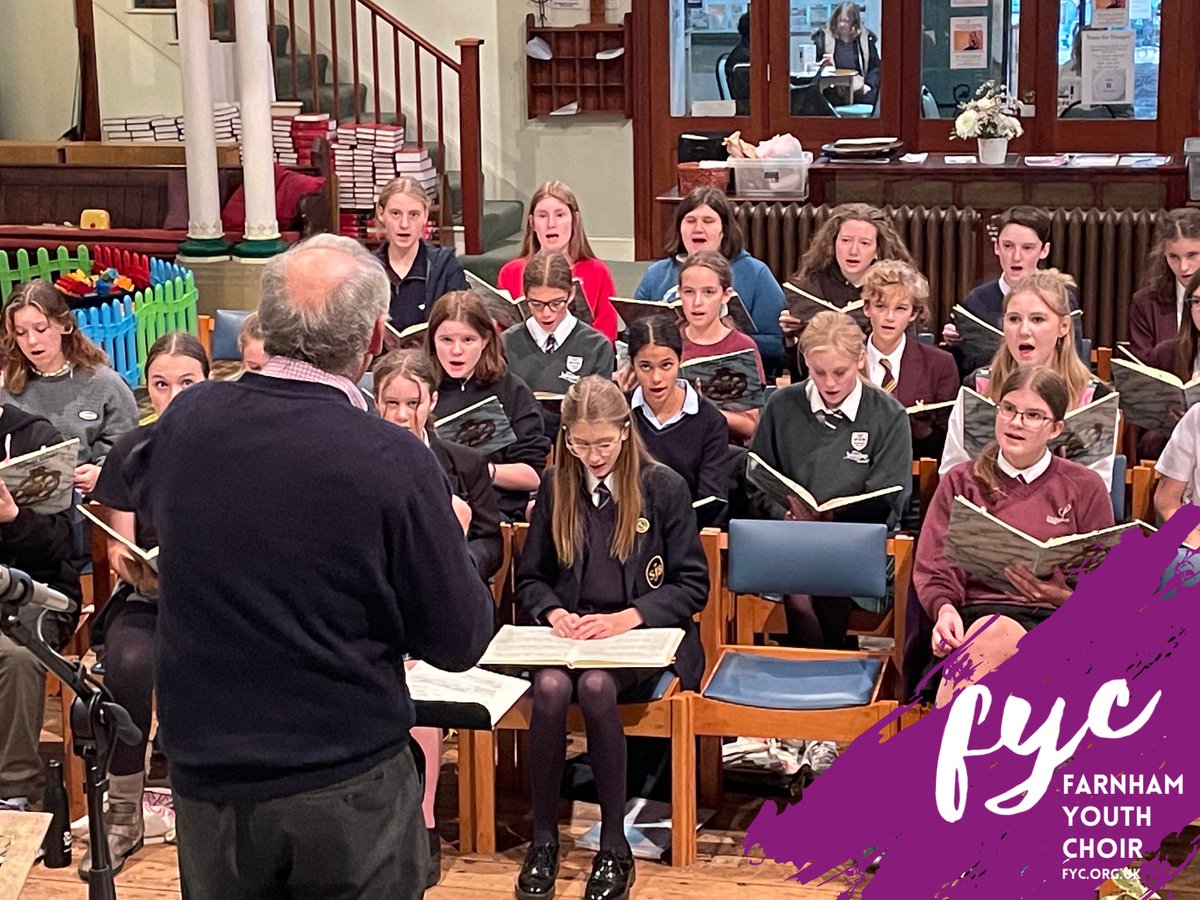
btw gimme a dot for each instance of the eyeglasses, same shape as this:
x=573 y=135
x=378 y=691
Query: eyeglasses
x=1032 y=417
x=604 y=448
x=543 y=305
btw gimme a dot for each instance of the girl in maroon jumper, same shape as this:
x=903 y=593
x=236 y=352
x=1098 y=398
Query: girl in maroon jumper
x=1017 y=479
x=705 y=286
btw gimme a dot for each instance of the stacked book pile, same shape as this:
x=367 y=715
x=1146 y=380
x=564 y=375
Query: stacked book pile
x=167 y=128
x=281 y=141
x=306 y=128
x=227 y=120
x=128 y=128
x=415 y=163
x=367 y=156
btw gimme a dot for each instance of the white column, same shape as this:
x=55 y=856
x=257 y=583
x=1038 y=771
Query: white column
x=255 y=74
x=206 y=237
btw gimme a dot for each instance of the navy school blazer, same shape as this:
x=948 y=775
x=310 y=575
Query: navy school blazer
x=666 y=577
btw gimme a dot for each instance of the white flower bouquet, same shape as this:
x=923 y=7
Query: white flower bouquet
x=993 y=113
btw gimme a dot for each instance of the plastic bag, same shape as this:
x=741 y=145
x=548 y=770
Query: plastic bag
x=782 y=146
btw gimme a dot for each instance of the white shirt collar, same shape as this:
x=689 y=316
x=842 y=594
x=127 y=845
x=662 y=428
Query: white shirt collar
x=691 y=405
x=1029 y=474
x=1180 y=290
x=593 y=482
x=1005 y=287
x=874 y=355
x=849 y=407
x=561 y=332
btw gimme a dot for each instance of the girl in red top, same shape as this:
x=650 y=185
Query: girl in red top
x=555 y=223
x=1017 y=479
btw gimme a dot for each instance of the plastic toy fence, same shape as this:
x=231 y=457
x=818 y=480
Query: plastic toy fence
x=124 y=328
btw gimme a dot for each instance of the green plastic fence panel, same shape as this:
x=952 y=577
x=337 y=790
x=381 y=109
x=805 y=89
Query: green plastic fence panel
x=19 y=267
x=166 y=307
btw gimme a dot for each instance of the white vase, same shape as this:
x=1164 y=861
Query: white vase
x=993 y=151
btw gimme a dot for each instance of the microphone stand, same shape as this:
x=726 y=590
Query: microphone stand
x=95 y=720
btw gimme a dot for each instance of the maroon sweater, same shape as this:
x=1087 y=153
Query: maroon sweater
x=1065 y=490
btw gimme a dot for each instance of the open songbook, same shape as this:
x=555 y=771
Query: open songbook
x=406 y=339
x=922 y=407
x=531 y=645
x=475 y=699
x=631 y=309
x=481 y=287
x=803 y=305
x=1152 y=398
x=43 y=481
x=781 y=488
x=482 y=426
x=979 y=543
x=729 y=380
x=1089 y=433
x=148 y=558
x=706 y=502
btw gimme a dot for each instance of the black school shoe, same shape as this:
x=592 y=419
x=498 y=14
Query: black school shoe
x=612 y=876
x=538 y=872
x=435 y=859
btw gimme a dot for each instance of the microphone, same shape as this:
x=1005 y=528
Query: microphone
x=17 y=587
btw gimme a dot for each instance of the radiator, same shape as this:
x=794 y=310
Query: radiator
x=944 y=241
x=1105 y=251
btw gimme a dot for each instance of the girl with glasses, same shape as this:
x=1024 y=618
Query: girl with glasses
x=551 y=350
x=555 y=223
x=1018 y=480
x=1038 y=331
x=469 y=363
x=895 y=296
x=612 y=546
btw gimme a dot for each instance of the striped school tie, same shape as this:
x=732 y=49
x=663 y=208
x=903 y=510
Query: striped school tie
x=551 y=344
x=889 y=379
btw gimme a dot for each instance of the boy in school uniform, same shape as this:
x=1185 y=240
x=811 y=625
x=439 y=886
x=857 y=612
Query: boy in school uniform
x=1022 y=242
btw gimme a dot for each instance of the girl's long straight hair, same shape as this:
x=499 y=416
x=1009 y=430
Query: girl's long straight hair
x=596 y=400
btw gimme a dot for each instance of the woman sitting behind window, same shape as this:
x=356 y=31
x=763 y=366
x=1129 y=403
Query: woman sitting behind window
x=846 y=43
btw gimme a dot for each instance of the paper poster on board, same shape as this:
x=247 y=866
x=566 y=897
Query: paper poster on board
x=1107 y=71
x=954 y=4
x=968 y=42
x=1110 y=14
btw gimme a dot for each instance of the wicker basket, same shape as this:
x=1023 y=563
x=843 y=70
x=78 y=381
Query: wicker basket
x=691 y=176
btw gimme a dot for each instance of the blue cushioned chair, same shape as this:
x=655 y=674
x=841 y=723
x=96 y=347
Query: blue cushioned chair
x=788 y=692
x=227 y=323
x=1117 y=490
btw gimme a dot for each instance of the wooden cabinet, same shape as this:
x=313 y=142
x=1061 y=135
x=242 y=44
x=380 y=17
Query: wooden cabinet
x=582 y=69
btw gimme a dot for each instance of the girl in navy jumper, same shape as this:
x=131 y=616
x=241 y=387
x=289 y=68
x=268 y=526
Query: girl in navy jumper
x=469 y=361
x=418 y=270
x=680 y=428
x=895 y=296
x=838 y=436
x=705 y=286
x=1018 y=480
x=612 y=546
x=127 y=624
x=406 y=395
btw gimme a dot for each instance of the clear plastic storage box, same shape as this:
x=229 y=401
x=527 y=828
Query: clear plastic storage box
x=771 y=177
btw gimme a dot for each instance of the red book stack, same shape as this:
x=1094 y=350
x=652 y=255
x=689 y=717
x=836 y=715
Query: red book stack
x=306 y=128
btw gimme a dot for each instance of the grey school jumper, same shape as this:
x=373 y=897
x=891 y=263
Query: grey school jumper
x=585 y=352
x=96 y=407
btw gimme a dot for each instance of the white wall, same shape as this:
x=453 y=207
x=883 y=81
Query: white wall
x=37 y=88
x=137 y=65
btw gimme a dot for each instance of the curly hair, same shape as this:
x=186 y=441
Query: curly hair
x=821 y=255
x=45 y=298
x=896 y=273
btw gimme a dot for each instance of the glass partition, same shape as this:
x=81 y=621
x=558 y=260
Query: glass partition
x=1108 y=59
x=963 y=46
x=834 y=58
x=710 y=58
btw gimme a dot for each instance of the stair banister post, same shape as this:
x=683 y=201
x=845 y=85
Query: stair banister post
x=470 y=147
x=255 y=74
x=206 y=236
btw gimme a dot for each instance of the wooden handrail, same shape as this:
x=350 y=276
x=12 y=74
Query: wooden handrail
x=382 y=13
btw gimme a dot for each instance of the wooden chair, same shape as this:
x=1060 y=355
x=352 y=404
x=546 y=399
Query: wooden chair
x=477 y=750
x=785 y=692
x=925 y=471
x=1102 y=363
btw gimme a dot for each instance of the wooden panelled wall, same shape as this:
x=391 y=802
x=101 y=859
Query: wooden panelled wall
x=656 y=132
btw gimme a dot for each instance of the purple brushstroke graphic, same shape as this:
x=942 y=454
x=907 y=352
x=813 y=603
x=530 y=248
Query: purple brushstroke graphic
x=1130 y=620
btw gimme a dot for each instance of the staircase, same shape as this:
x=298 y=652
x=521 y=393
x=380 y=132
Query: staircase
x=359 y=63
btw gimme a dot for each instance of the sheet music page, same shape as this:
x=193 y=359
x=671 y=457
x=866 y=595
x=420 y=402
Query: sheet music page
x=494 y=691
x=641 y=648
x=520 y=645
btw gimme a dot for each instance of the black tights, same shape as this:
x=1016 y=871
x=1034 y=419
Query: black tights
x=818 y=622
x=596 y=692
x=129 y=674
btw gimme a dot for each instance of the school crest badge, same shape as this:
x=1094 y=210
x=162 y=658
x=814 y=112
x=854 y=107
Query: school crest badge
x=655 y=572
x=574 y=364
x=858 y=440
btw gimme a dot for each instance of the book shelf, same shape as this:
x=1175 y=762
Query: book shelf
x=574 y=74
